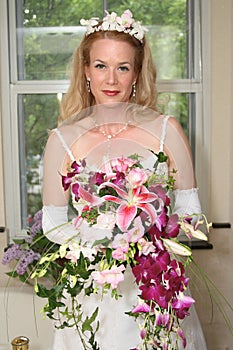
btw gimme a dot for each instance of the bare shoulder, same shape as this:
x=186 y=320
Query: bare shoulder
x=174 y=123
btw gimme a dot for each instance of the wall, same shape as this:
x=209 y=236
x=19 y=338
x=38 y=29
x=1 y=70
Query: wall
x=217 y=263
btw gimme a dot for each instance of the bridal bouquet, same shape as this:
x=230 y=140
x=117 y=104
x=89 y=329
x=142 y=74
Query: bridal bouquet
x=123 y=220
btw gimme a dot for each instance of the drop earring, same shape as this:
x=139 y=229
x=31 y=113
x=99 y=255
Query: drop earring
x=134 y=89
x=88 y=85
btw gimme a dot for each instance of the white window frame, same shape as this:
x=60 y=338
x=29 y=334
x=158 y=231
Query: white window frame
x=11 y=88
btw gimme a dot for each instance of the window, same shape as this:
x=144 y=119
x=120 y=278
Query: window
x=41 y=37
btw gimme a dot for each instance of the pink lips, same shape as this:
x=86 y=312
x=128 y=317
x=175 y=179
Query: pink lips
x=111 y=92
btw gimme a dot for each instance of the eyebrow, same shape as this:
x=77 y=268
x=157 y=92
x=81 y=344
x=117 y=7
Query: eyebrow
x=120 y=63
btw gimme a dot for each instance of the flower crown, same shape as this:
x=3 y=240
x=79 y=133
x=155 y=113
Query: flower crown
x=126 y=23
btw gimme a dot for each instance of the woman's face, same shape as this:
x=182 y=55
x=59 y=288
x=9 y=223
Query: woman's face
x=111 y=71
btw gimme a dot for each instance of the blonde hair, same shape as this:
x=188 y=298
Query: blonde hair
x=79 y=98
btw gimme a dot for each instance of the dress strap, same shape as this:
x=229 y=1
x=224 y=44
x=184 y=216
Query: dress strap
x=68 y=150
x=163 y=133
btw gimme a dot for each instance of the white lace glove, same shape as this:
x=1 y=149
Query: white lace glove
x=187 y=202
x=55 y=224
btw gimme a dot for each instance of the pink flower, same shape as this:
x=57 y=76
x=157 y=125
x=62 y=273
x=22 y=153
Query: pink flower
x=182 y=337
x=137 y=177
x=122 y=164
x=112 y=276
x=143 y=333
x=89 y=198
x=145 y=247
x=119 y=254
x=141 y=307
x=129 y=203
x=162 y=319
x=182 y=304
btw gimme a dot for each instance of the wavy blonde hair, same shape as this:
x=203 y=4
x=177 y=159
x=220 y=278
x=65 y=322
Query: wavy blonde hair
x=78 y=98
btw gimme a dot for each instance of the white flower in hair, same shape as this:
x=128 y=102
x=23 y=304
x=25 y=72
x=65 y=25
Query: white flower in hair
x=127 y=19
x=138 y=30
x=125 y=23
x=90 y=24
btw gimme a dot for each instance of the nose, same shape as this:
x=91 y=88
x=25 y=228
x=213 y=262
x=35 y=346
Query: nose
x=111 y=76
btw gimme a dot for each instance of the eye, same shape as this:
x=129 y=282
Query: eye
x=123 y=68
x=100 y=66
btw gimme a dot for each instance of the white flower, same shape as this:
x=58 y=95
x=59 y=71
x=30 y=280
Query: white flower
x=191 y=232
x=91 y=22
x=92 y=233
x=124 y=23
x=177 y=248
x=127 y=19
x=75 y=250
x=106 y=221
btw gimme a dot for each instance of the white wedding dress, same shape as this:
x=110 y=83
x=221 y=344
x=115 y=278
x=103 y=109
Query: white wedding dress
x=118 y=331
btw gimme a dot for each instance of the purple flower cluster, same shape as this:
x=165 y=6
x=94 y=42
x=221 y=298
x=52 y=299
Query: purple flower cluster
x=37 y=225
x=27 y=258
x=21 y=252
x=13 y=252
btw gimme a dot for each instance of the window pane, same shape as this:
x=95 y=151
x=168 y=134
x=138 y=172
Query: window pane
x=47 y=34
x=37 y=115
x=169 y=33
x=177 y=105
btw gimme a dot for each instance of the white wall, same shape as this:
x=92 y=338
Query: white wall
x=217 y=263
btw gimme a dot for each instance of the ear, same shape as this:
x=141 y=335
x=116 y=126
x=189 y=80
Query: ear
x=135 y=78
x=86 y=68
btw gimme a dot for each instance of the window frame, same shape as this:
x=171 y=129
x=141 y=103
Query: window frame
x=11 y=87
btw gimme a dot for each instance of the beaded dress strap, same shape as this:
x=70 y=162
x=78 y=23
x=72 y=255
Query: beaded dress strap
x=163 y=133
x=64 y=144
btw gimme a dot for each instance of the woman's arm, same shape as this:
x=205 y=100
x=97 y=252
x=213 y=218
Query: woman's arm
x=55 y=201
x=177 y=146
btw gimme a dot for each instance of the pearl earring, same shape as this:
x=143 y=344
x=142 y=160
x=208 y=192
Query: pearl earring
x=134 y=89
x=88 y=85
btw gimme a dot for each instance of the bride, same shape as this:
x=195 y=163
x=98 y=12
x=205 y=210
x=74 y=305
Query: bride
x=110 y=111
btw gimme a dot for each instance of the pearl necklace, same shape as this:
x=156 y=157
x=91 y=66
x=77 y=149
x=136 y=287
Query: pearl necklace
x=112 y=135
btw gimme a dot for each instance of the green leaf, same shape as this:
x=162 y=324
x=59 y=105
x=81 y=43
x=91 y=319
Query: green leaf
x=86 y=326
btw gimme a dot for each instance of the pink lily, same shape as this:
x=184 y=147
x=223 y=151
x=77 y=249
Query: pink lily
x=90 y=198
x=129 y=202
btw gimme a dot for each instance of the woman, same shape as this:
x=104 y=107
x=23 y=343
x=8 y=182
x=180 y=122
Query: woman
x=110 y=111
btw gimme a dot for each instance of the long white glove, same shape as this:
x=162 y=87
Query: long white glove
x=187 y=202
x=55 y=224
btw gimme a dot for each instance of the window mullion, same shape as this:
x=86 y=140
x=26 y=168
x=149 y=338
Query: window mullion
x=12 y=41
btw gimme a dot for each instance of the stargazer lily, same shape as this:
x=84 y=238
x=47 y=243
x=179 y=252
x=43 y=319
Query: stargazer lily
x=89 y=198
x=129 y=202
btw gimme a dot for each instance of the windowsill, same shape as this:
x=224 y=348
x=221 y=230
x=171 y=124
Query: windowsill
x=198 y=244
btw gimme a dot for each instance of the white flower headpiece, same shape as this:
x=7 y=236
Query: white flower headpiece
x=111 y=21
